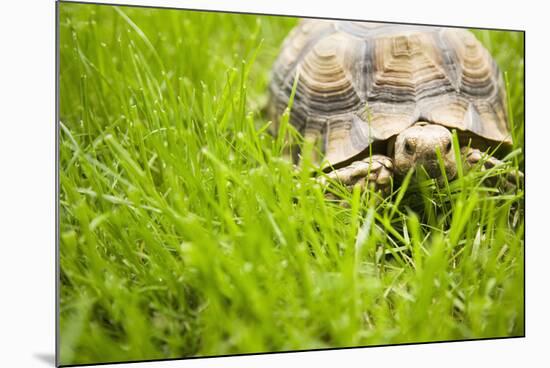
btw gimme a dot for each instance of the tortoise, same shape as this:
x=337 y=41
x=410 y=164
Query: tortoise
x=379 y=99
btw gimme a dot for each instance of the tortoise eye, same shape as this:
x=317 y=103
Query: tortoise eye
x=448 y=147
x=409 y=147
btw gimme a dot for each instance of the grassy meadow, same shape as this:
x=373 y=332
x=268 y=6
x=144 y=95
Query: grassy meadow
x=184 y=233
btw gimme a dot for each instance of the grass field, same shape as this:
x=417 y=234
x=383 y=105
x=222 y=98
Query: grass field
x=184 y=233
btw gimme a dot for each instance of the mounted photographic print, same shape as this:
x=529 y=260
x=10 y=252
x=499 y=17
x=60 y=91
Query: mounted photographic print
x=241 y=183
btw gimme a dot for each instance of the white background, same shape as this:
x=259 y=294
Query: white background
x=27 y=190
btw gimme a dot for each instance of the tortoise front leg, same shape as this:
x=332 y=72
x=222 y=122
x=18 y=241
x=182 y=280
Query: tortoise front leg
x=473 y=156
x=375 y=171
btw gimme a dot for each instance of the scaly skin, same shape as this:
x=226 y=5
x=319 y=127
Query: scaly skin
x=376 y=171
x=472 y=157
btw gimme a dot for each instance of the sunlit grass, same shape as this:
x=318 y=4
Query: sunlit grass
x=184 y=232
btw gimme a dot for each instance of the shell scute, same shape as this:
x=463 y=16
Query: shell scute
x=361 y=83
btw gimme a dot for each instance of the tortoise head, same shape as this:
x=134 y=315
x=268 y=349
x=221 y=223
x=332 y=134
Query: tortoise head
x=416 y=146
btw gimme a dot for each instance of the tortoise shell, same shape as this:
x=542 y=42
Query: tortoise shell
x=361 y=83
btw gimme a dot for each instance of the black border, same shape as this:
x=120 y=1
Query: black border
x=284 y=15
x=57 y=192
x=293 y=351
x=524 y=187
x=57 y=188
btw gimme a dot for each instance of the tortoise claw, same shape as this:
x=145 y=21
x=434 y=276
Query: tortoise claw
x=473 y=156
x=375 y=172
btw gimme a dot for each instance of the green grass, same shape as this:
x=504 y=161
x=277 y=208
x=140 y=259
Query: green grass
x=184 y=233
